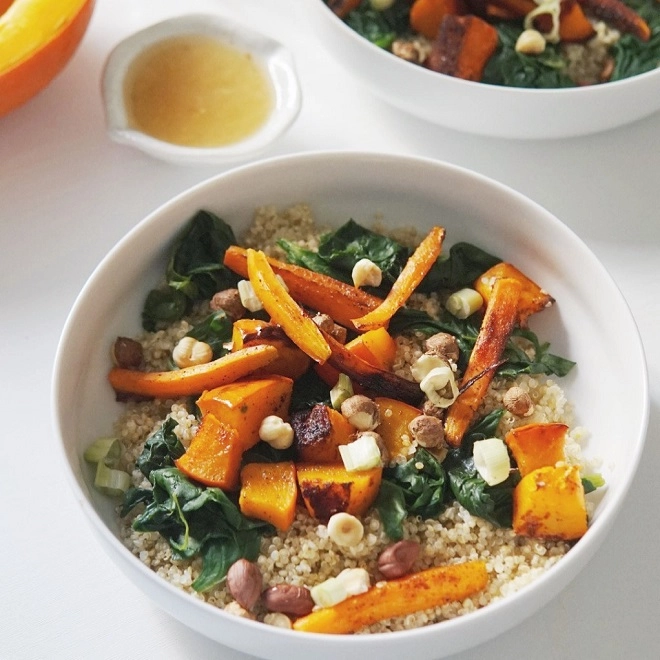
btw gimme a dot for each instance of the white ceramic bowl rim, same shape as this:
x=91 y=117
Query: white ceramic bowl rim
x=276 y=61
x=458 y=628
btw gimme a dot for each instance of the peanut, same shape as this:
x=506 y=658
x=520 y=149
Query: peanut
x=288 y=599
x=398 y=559
x=244 y=582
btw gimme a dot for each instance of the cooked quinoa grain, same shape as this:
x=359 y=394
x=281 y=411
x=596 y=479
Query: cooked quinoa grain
x=305 y=555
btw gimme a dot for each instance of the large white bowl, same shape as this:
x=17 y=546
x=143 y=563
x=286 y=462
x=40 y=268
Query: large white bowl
x=478 y=108
x=590 y=323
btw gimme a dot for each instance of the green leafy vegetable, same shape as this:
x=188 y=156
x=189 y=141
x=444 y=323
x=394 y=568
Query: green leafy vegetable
x=199 y=521
x=216 y=331
x=340 y=250
x=457 y=269
x=311 y=260
x=308 y=390
x=513 y=69
x=161 y=449
x=633 y=56
x=391 y=506
x=164 y=305
x=380 y=27
x=195 y=270
x=592 y=482
x=194 y=519
x=418 y=487
x=517 y=361
x=492 y=503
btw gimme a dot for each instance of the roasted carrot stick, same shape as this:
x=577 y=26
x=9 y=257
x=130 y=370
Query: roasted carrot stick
x=192 y=380
x=430 y=588
x=498 y=322
x=339 y=300
x=416 y=268
x=284 y=310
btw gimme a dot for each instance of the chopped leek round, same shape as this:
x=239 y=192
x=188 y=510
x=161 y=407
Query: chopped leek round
x=103 y=450
x=341 y=391
x=361 y=454
x=491 y=459
x=328 y=593
x=110 y=481
x=464 y=303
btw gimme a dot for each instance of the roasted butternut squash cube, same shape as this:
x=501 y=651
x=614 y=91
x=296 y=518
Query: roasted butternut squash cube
x=319 y=432
x=214 y=455
x=329 y=489
x=537 y=445
x=290 y=361
x=377 y=347
x=393 y=428
x=532 y=297
x=549 y=503
x=244 y=404
x=269 y=492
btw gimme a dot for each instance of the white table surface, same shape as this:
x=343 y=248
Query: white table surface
x=67 y=194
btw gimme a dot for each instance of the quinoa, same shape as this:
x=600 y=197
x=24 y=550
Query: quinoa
x=304 y=555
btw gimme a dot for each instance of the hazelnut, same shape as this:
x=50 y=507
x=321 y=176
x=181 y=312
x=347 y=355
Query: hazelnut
x=244 y=583
x=427 y=431
x=398 y=559
x=288 y=599
x=443 y=345
x=325 y=323
x=229 y=301
x=518 y=402
x=361 y=412
x=127 y=353
x=429 y=408
x=530 y=42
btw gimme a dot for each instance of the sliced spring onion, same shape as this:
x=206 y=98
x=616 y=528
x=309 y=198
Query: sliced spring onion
x=354 y=580
x=440 y=387
x=425 y=363
x=103 y=450
x=464 y=303
x=341 y=391
x=491 y=459
x=328 y=593
x=110 y=481
x=361 y=454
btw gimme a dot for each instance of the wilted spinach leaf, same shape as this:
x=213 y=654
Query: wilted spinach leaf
x=164 y=305
x=160 y=449
x=215 y=330
x=197 y=520
x=517 y=361
x=423 y=481
x=195 y=270
x=195 y=266
x=391 y=505
x=633 y=56
x=492 y=503
x=311 y=260
x=513 y=69
x=464 y=263
x=380 y=27
x=308 y=390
